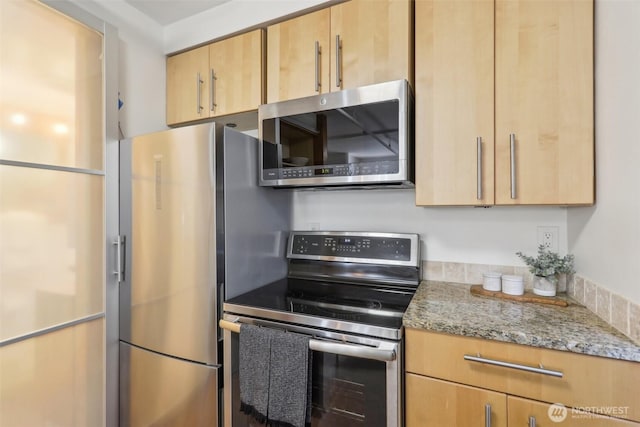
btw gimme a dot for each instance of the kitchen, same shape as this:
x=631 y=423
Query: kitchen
x=455 y=240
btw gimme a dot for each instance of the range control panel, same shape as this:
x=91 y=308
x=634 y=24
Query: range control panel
x=365 y=246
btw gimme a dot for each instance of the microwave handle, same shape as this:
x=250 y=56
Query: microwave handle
x=351 y=350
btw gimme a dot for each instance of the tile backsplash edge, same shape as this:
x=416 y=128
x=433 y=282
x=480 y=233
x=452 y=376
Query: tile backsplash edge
x=614 y=309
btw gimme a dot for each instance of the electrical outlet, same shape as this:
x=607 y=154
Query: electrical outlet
x=548 y=237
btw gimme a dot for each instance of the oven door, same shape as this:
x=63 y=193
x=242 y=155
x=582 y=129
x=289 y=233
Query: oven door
x=356 y=381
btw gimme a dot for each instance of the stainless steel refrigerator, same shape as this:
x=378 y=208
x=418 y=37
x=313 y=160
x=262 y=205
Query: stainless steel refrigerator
x=196 y=229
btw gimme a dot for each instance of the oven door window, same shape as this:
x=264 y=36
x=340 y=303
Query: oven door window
x=346 y=392
x=362 y=139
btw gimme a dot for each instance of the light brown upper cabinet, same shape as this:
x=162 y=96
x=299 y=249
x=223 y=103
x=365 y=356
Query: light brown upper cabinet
x=504 y=102
x=221 y=78
x=298 y=57
x=352 y=44
x=187 y=83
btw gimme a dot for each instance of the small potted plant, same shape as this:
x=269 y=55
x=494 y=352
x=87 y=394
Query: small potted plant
x=564 y=271
x=546 y=268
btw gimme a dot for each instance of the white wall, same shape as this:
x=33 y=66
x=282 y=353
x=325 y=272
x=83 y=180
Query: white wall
x=606 y=238
x=141 y=68
x=457 y=234
x=142 y=87
x=228 y=18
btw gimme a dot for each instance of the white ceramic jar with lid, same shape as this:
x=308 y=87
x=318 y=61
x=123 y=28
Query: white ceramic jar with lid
x=512 y=285
x=491 y=281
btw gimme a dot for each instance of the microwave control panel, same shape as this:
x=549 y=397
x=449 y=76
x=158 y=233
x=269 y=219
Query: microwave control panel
x=384 y=167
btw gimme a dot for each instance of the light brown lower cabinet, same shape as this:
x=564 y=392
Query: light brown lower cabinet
x=431 y=402
x=525 y=412
x=458 y=381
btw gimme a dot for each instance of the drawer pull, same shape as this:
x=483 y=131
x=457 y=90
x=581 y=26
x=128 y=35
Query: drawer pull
x=532 y=421
x=533 y=369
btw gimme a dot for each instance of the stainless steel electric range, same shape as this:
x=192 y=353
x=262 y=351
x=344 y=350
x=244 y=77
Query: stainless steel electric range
x=348 y=291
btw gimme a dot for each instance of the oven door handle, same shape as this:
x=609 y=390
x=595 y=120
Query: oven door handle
x=351 y=350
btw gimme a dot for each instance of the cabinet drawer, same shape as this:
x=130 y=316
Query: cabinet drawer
x=587 y=381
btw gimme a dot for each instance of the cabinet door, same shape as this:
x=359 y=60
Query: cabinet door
x=376 y=41
x=236 y=74
x=188 y=86
x=524 y=412
x=298 y=57
x=544 y=97
x=431 y=402
x=454 y=102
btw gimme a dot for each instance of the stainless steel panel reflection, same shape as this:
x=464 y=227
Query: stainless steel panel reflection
x=169 y=298
x=56 y=379
x=165 y=391
x=257 y=220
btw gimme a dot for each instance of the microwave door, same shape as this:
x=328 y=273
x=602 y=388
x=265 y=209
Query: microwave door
x=352 y=137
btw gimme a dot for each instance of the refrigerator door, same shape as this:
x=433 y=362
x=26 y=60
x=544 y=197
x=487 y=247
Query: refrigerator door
x=157 y=390
x=168 y=300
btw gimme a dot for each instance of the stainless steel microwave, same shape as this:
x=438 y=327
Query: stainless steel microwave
x=354 y=137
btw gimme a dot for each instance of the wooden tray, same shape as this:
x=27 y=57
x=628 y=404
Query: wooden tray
x=527 y=297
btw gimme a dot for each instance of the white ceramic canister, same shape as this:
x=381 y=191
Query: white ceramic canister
x=491 y=281
x=512 y=285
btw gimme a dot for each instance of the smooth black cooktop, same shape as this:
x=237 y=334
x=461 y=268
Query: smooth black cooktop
x=381 y=306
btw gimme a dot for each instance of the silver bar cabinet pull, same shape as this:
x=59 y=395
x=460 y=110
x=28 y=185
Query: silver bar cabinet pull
x=494 y=362
x=479 y=168
x=532 y=421
x=198 y=84
x=318 y=66
x=212 y=104
x=487 y=415
x=512 y=142
x=338 y=62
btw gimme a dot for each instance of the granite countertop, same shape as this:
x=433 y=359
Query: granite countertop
x=450 y=308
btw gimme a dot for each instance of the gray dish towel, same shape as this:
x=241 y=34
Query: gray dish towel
x=255 y=355
x=290 y=380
